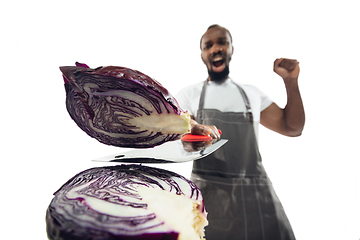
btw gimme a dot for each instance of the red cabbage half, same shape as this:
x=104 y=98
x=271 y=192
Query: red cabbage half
x=126 y=202
x=122 y=107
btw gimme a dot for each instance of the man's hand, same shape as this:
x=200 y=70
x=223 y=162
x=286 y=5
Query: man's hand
x=290 y=120
x=199 y=129
x=209 y=130
x=288 y=69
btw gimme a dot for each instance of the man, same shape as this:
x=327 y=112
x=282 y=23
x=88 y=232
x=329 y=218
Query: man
x=239 y=198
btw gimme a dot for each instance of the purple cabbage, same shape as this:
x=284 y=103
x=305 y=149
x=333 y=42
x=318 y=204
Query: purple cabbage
x=71 y=216
x=122 y=107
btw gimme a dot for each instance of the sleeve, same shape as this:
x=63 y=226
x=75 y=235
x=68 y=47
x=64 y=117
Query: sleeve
x=261 y=100
x=265 y=101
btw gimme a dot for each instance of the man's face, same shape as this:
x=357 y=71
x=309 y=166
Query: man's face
x=216 y=52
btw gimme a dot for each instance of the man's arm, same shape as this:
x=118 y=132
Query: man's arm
x=289 y=121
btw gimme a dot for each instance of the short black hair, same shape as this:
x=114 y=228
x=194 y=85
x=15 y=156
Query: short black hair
x=212 y=26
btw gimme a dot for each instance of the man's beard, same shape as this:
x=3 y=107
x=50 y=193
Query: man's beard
x=219 y=76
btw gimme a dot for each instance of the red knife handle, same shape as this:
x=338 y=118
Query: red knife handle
x=197 y=138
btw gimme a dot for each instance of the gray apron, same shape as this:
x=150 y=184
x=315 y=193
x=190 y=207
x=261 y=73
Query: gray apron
x=238 y=196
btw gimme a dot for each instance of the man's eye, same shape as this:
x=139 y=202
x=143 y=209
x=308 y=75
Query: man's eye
x=207 y=46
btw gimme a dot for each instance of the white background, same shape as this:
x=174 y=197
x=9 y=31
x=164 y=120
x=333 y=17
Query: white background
x=316 y=175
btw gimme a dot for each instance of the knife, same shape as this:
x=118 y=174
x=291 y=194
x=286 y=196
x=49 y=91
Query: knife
x=170 y=152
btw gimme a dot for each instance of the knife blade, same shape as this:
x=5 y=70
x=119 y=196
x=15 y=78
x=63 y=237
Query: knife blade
x=170 y=152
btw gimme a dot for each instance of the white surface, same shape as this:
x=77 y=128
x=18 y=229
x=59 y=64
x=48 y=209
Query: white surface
x=316 y=175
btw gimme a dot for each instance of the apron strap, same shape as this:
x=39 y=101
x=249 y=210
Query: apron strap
x=247 y=103
x=200 y=112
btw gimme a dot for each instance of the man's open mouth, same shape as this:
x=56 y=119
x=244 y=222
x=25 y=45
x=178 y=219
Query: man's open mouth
x=217 y=62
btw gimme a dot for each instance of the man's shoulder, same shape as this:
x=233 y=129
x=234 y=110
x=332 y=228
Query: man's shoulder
x=249 y=88
x=254 y=92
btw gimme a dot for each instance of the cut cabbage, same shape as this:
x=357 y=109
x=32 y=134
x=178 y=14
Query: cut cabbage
x=127 y=202
x=123 y=107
